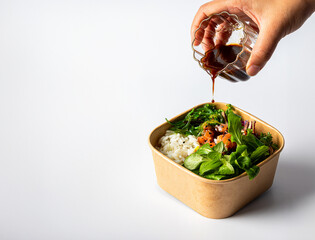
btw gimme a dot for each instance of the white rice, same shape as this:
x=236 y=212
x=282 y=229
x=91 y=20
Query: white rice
x=177 y=146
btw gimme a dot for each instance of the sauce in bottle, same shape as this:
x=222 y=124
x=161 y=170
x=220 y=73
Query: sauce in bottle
x=219 y=57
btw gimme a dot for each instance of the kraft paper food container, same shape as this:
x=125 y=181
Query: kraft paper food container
x=214 y=198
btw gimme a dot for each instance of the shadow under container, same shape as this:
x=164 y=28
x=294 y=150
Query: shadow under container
x=214 y=198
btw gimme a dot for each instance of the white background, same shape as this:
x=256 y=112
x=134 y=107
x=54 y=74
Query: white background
x=83 y=83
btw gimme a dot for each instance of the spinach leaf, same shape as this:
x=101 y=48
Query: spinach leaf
x=210 y=162
x=214 y=176
x=240 y=149
x=243 y=162
x=251 y=141
x=209 y=166
x=213 y=156
x=252 y=172
x=193 y=161
x=204 y=149
x=235 y=127
x=259 y=153
x=227 y=167
x=219 y=147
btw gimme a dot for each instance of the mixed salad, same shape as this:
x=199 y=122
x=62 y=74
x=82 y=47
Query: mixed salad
x=229 y=145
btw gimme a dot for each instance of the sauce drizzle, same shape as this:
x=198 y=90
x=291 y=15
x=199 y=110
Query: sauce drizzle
x=219 y=57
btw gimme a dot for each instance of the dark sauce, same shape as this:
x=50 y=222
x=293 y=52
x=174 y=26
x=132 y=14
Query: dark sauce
x=219 y=57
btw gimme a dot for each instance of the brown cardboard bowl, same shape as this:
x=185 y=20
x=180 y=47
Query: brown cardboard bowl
x=214 y=198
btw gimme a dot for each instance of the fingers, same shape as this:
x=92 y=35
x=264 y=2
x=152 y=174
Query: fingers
x=205 y=31
x=223 y=33
x=207 y=41
x=203 y=13
x=213 y=31
x=268 y=38
x=209 y=33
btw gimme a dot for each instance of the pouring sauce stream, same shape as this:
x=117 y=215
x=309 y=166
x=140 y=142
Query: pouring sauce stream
x=217 y=58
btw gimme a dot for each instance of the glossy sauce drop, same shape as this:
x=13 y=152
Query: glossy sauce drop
x=219 y=57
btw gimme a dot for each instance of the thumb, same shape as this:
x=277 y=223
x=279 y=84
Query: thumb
x=267 y=40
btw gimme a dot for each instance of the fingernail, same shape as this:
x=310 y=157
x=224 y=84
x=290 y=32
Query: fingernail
x=253 y=70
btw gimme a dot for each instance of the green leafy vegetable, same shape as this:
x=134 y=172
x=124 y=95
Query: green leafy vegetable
x=193 y=121
x=226 y=168
x=209 y=166
x=240 y=149
x=204 y=149
x=259 y=153
x=251 y=141
x=219 y=147
x=235 y=127
x=213 y=156
x=229 y=109
x=193 y=161
x=220 y=162
x=252 y=172
x=266 y=139
x=243 y=162
x=214 y=176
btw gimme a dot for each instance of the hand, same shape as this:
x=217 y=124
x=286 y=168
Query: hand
x=274 y=18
